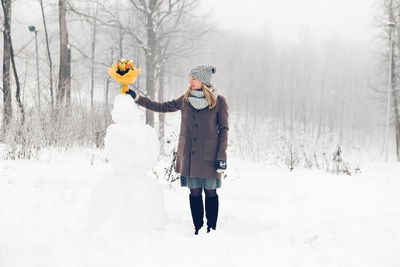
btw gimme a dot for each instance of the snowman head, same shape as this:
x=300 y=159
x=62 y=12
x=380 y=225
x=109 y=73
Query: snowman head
x=125 y=110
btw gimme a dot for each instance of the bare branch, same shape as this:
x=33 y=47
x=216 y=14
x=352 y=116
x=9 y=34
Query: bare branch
x=111 y=23
x=137 y=7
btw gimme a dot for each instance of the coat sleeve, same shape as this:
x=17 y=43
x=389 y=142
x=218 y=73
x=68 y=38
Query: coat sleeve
x=223 y=128
x=167 y=106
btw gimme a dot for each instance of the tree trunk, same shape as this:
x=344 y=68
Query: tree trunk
x=150 y=65
x=6 y=4
x=18 y=91
x=321 y=98
x=92 y=66
x=63 y=54
x=161 y=116
x=393 y=91
x=395 y=97
x=121 y=44
x=396 y=122
x=137 y=62
x=150 y=87
x=108 y=78
x=48 y=55
x=292 y=110
x=68 y=78
x=93 y=53
x=342 y=111
x=280 y=104
x=37 y=72
x=120 y=36
x=107 y=89
x=7 y=104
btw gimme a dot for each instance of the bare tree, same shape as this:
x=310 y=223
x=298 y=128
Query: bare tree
x=63 y=89
x=395 y=95
x=7 y=106
x=391 y=10
x=48 y=54
x=93 y=53
x=6 y=4
x=167 y=34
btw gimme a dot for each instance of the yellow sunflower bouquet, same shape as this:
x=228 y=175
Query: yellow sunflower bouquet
x=124 y=72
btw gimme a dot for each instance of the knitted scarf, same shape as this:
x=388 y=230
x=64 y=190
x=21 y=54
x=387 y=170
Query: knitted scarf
x=198 y=100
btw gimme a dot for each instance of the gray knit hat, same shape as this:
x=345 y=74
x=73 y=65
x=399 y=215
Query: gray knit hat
x=203 y=73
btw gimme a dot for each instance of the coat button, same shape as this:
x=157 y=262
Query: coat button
x=193 y=152
x=196 y=125
x=194 y=139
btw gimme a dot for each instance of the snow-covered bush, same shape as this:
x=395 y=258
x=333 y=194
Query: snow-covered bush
x=169 y=156
x=288 y=152
x=75 y=126
x=299 y=152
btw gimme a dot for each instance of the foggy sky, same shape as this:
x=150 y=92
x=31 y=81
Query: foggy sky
x=286 y=20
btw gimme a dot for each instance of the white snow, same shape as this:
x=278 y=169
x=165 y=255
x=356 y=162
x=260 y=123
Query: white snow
x=268 y=217
x=76 y=208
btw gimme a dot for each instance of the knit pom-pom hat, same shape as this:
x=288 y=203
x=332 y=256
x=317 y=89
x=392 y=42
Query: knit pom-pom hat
x=203 y=73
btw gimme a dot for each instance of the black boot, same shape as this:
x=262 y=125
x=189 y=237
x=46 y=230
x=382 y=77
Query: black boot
x=196 y=207
x=212 y=212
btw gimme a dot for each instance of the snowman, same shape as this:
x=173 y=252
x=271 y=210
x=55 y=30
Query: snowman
x=126 y=199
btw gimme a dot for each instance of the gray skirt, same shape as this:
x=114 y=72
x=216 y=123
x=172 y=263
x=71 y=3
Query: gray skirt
x=194 y=182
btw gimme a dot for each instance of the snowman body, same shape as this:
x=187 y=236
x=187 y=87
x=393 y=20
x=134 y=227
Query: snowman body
x=127 y=199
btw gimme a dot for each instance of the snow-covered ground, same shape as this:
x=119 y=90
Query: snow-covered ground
x=268 y=217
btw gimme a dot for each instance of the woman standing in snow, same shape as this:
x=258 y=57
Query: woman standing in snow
x=203 y=139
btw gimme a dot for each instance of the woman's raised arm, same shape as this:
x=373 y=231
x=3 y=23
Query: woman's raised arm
x=167 y=106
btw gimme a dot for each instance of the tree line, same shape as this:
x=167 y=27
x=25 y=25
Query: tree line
x=92 y=35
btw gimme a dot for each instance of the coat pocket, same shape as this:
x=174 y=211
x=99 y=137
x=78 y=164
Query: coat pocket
x=210 y=148
x=181 y=145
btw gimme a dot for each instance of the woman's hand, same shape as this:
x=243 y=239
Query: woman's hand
x=132 y=94
x=221 y=165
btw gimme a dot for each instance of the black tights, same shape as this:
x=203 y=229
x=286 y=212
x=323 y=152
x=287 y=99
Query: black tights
x=197 y=192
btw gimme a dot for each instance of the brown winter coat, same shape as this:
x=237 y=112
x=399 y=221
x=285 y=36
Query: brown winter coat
x=203 y=135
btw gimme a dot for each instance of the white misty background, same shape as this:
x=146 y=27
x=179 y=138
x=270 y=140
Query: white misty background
x=297 y=90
